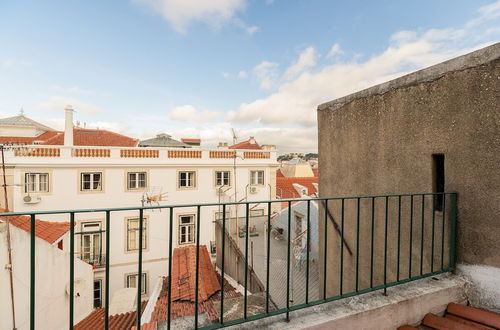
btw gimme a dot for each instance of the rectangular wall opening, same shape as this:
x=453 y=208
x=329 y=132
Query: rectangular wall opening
x=438 y=180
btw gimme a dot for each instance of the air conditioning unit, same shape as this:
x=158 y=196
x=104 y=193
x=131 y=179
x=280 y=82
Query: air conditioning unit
x=28 y=199
x=253 y=190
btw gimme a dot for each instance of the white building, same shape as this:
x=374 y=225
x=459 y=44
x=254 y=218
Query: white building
x=48 y=177
x=51 y=274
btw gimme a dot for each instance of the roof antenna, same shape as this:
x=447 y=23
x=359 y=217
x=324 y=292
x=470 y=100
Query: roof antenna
x=21 y=112
x=235 y=138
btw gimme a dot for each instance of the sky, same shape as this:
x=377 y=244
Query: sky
x=197 y=68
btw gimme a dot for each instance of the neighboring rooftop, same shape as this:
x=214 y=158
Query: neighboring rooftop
x=94 y=137
x=285 y=186
x=163 y=140
x=23 y=121
x=46 y=230
x=95 y=320
x=251 y=143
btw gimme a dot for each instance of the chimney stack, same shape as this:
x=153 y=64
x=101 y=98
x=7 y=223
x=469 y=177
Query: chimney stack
x=68 y=126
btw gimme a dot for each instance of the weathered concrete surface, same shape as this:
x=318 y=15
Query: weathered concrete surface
x=234 y=307
x=483 y=290
x=381 y=140
x=404 y=304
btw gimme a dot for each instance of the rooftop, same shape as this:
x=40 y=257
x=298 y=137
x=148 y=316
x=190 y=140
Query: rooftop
x=46 y=230
x=163 y=140
x=249 y=144
x=94 y=137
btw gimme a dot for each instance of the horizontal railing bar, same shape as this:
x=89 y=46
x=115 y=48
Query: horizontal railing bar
x=135 y=208
x=322 y=301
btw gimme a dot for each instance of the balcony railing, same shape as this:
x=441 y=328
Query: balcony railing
x=363 y=244
x=96 y=260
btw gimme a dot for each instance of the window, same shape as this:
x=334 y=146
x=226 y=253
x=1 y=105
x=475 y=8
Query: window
x=257 y=177
x=91 y=243
x=36 y=182
x=187 y=179
x=186 y=229
x=133 y=234
x=136 y=180
x=97 y=294
x=222 y=178
x=91 y=181
x=132 y=282
x=256 y=213
x=438 y=180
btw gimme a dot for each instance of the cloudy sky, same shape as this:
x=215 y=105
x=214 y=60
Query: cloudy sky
x=196 y=68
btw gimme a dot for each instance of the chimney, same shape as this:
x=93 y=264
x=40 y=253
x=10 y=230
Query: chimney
x=68 y=126
x=252 y=140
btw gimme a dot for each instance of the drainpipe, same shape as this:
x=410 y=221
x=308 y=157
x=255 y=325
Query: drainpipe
x=9 y=246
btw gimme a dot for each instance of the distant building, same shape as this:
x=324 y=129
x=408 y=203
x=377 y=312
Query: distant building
x=249 y=144
x=191 y=142
x=163 y=140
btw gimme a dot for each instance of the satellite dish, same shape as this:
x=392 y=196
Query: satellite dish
x=79 y=286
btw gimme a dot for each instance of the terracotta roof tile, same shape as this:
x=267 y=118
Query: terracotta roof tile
x=27 y=140
x=94 y=137
x=246 y=145
x=285 y=189
x=190 y=140
x=46 y=230
x=95 y=320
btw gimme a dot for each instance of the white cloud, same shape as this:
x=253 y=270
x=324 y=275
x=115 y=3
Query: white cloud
x=266 y=74
x=10 y=63
x=306 y=60
x=242 y=74
x=181 y=13
x=335 y=50
x=487 y=13
x=226 y=75
x=251 y=30
x=295 y=100
x=58 y=103
x=71 y=90
x=190 y=113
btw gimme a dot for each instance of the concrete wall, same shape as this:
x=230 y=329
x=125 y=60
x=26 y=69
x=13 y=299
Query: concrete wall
x=52 y=283
x=381 y=141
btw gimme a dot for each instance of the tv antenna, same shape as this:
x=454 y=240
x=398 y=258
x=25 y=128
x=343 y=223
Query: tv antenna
x=235 y=138
x=154 y=197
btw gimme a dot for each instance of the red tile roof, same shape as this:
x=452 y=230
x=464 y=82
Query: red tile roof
x=246 y=145
x=191 y=140
x=183 y=286
x=95 y=320
x=94 y=137
x=316 y=172
x=46 y=230
x=285 y=189
x=27 y=140
x=184 y=270
x=279 y=174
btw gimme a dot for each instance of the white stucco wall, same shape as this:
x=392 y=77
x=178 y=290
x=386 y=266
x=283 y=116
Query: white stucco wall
x=52 y=283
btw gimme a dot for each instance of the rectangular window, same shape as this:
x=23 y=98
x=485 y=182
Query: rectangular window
x=222 y=178
x=438 y=180
x=36 y=182
x=187 y=179
x=91 y=181
x=256 y=213
x=132 y=282
x=133 y=234
x=91 y=247
x=136 y=180
x=257 y=177
x=186 y=229
x=97 y=294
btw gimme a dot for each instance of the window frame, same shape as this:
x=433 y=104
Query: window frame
x=144 y=284
x=137 y=180
x=37 y=183
x=191 y=226
x=254 y=174
x=223 y=179
x=128 y=230
x=192 y=180
x=92 y=181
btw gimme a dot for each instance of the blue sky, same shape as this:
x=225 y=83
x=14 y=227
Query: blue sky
x=196 y=68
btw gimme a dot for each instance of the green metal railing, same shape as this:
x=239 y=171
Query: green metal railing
x=378 y=226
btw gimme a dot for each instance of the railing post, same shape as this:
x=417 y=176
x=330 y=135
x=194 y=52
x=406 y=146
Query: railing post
x=32 y=271
x=245 y=300
x=433 y=233
x=358 y=204
x=139 y=272
x=442 y=231
x=453 y=234
x=325 y=248
x=197 y=276
x=223 y=229
x=422 y=236
x=372 y=242
x=342 y=247
x=71 y=267
x=288 y=262
x=385 y=243
x=268 y=254
x=169 y=281
x=411 y=236
x=106 y=294
x=308 y=246
x=399 y=238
